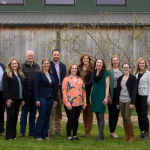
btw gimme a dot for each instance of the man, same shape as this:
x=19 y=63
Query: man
x=29 y=68
x=59 y=73
x=2 y=102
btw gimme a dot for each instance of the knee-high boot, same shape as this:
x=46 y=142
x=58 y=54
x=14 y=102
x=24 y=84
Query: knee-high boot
x=126 y=131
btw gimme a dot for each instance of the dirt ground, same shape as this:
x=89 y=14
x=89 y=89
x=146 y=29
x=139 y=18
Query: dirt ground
x=134 y=119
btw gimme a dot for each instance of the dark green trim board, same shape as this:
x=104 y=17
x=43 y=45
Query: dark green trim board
x=80 y=5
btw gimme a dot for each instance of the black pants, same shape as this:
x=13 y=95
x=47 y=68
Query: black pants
x=2 y=109
x=72 y=123
x=12 y=117
x=113 y=113
x=142 y=110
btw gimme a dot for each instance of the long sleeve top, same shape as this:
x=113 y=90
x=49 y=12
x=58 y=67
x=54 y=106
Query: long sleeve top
x=74 y=93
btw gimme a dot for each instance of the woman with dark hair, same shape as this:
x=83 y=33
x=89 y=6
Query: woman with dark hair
x=143 y=96
x=44 y=93
x=14 y=95
x=100 y=93
x=115 y=72
x=86 y=68
x=74 y=97
x=125 y=98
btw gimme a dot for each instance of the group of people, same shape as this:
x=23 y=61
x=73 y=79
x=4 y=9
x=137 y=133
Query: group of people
x=85 y=87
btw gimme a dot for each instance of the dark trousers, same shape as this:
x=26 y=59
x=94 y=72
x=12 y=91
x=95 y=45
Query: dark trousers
x=73 y=116
x=31 y=107
x=2 y=110
x=12 y=117
x=142 y=110
x=42 y=125
x=113 y=114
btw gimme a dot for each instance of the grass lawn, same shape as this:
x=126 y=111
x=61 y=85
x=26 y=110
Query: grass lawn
x=60 y=142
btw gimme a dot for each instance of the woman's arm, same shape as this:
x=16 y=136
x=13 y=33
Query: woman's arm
x=65 y=92
x=134 y=92
x=36 y=88
x=6 y=82
x=107 y=90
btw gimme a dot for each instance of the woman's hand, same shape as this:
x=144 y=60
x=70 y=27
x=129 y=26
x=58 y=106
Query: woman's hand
x=8 y=103
x=110 y=100
x=69 y=107
x=148 y=102
x=131 y=106
x=37 y=103
x=118 y=107
x=22 y=103
x=105 y=101
x=55 y=103
x=83 y=107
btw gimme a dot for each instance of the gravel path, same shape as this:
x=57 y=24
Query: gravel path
x=134 y=119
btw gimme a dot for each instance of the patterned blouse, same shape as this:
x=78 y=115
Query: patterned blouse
x=74 y=93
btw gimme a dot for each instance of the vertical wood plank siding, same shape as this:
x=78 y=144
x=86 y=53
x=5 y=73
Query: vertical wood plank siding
x=15 y=42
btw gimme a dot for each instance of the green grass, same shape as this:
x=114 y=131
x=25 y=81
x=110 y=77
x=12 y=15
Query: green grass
x=60 y=142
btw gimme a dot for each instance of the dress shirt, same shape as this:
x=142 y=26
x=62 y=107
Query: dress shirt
x=58 y=71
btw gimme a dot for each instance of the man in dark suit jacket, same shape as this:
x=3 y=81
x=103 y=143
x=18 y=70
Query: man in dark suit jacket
x=59 y=73
x=2 y=102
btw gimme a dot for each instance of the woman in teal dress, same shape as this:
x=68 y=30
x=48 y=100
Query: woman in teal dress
x=99 y=95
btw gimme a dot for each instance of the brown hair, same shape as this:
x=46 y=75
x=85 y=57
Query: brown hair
x=104 y=65
x=69 y=70
x=90 y=67
x=41 y=69
x=55 y=50
x=111 y=64
x=9 y=69
x=137 y=65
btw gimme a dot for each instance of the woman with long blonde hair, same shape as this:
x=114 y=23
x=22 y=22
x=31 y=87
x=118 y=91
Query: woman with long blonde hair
x=115 y=72
x=74 y=97
x=14 y=94
x=143 y=96
x=86 y=69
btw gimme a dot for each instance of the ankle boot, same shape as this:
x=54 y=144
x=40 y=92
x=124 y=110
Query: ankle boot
x=126 y=131
x=146 y=137
x=88 y=133
x=85 y=134
x=131 y=133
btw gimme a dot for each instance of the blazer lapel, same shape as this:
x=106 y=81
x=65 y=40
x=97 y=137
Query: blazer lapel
x=54 y=69
x=129 y=81
x=60 y=70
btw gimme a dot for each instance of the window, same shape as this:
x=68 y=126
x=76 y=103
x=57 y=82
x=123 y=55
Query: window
x=59 y=2
x=111 y=2
x=15 y=2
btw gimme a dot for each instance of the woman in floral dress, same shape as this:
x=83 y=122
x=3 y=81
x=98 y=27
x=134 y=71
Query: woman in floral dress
x=74 y=97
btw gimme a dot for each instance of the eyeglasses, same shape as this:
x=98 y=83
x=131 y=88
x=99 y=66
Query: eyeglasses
x=125 y=67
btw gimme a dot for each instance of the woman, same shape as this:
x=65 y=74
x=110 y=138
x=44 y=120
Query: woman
x=85 y=68
x=115 y=72
x=100 y=93
x=44 y=93
x=74 y=97
x=143 y=96
x=125 y=98
x=14 y=95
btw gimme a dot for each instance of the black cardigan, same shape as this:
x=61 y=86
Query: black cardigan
x=11 y=87
x=131 y=86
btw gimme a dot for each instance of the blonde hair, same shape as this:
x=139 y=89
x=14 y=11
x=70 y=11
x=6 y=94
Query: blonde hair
x=9 y=69
x=137 y=65
x=111 y=64
x=41 y=69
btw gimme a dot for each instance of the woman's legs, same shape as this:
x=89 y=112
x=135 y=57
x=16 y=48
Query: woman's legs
x=101 y=123
x=70 y=115
x=113 y=115
x=76 y=117
x=48 y=113
x=41 y=119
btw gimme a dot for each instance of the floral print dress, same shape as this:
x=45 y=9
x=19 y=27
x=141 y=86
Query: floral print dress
x=74 y=93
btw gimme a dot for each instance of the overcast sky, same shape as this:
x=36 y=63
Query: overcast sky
x=59 y=1
x=106 y=2
x=12 y=1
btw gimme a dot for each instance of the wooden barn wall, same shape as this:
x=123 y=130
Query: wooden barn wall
x=15 y=42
